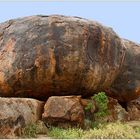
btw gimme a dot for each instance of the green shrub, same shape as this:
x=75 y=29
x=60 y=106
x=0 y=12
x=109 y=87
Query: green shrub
x=89 y=106
x=102 y=102
x=92 y=118
x=95 y=124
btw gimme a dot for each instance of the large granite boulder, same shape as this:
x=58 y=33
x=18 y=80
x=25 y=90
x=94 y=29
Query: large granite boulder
x=15 y=113
x=41 y=56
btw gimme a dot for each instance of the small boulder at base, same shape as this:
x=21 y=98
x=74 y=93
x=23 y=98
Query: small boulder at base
x=116 y=111
x=133 y=109
x=63 y=111
x=15 y=113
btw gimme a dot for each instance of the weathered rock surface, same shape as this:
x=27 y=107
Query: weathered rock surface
x=127 y=85
x=90 y=108
x=63 y=111
x=88 y=102
x=116 y=111
x=133 y=109
x=15 y=113
x=42 y=56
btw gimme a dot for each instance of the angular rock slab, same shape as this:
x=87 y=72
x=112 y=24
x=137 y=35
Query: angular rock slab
x=43 y=56
x=15 y=113
x=63 y=111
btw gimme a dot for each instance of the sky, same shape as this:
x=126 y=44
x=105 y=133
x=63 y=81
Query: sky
x=123 y=17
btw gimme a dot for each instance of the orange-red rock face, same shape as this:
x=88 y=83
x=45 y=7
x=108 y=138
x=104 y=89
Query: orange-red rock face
x=41 y=56
x=63 y=111
x=127 y=84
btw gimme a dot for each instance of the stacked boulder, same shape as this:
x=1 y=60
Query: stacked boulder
x=43 y=56
x=16 y=113
x=60 y=58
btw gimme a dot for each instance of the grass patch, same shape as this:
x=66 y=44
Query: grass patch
x=33 y=129
x=116 y=130
x=30 y=131
x=113 y=131
x=70 y=133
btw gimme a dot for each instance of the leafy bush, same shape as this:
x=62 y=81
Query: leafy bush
x=101 y=101
x=93 y=117
x=89 y=106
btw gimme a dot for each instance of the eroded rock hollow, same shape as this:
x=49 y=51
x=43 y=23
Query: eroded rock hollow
x=41 y=56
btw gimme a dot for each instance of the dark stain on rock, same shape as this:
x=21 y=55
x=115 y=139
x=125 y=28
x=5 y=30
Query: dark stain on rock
x=58 y=56
x=33 y=73
x=12 y=123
